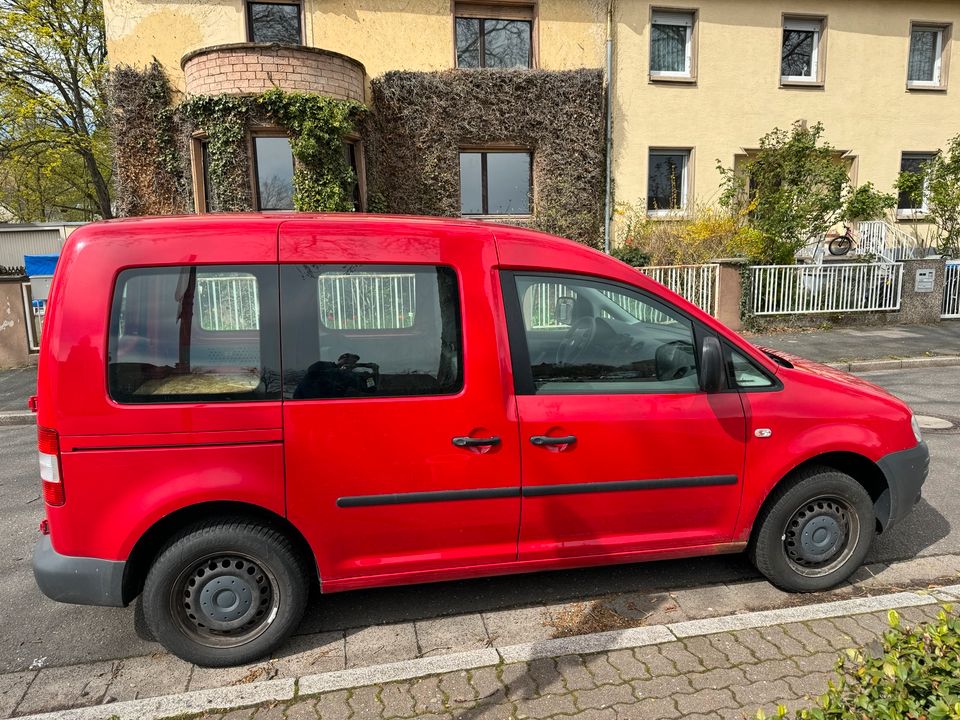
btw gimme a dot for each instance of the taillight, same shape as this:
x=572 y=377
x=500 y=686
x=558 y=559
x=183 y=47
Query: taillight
x=48 y=447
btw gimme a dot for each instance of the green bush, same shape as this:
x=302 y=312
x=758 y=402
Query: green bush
x=915 y=674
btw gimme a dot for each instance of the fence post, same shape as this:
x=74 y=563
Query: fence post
x=729 y=290
x=922 y=298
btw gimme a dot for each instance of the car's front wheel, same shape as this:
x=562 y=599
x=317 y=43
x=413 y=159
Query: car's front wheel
x=814 y=531
x=225 y=593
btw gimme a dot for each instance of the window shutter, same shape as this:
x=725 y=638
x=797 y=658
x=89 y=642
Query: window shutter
x=802 y=25
x=682 y=19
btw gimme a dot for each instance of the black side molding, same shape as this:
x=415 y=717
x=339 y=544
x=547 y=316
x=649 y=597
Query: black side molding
x=533 y=491
x=427 y=497
x=619 y=486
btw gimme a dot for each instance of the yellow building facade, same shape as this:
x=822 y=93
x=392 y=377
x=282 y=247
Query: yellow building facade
x=693 y=83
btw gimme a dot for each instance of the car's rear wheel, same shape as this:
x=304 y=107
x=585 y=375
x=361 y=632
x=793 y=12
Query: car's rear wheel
x=814 y=531
x=225 y=593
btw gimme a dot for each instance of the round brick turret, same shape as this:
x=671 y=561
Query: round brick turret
x=253 y=68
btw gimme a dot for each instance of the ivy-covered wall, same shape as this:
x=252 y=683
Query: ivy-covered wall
x=412 y=138
x=420 y=121
x=151 y=174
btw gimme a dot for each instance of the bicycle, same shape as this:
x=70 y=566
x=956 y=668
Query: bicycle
x=842 y=244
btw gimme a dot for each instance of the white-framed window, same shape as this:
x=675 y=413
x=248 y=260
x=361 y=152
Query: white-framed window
x=671 y=44
x=800 y=52
x=668 y=180
x=907 y=207
x=925 y=65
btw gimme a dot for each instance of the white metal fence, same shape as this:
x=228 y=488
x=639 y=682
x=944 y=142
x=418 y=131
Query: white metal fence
x=883 y=240
x=375 y=301
x=228 y=303
x=835 y=287
x=695 y=283
x=951 y=291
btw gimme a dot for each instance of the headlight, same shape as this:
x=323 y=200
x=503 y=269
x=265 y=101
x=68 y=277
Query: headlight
x=916 y=428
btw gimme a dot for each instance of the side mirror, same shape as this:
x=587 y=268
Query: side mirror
x=711 y=365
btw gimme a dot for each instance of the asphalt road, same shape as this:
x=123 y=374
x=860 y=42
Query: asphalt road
x=32 y=627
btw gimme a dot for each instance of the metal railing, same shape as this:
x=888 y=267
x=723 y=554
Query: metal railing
x=697 y=284
x=879 y=238
x=382 y=301
x=951 y=291
x=228 y=303
x=834 y=287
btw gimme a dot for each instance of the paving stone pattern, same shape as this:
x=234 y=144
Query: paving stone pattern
x=727 y=675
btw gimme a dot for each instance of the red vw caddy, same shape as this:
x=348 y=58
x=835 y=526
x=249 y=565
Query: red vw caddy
x=234 y=408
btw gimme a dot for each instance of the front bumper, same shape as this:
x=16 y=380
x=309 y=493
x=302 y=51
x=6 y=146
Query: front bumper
x=905 y=472
x=78 y=580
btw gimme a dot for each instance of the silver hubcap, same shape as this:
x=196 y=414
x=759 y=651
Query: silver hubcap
x=820 y=536
x=225 y=600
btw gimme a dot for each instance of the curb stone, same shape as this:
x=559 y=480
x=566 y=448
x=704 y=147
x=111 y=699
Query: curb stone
x=907 y=363
x=239 y=696
x=24 y=417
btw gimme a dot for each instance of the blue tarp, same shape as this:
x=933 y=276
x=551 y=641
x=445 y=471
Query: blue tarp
x=40 y=264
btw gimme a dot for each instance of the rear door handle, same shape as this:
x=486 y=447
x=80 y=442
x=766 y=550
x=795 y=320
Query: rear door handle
x=464 y=441
x=544 y=440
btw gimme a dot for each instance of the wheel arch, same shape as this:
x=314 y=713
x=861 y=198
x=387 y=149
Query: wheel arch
x=859 y=467
x=157 y=535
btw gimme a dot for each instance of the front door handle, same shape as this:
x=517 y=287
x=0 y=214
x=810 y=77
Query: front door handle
x=464 y=441
x=545 y=440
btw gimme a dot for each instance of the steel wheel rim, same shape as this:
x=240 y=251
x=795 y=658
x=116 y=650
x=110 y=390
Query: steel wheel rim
x=224 y=600
x=820 y=536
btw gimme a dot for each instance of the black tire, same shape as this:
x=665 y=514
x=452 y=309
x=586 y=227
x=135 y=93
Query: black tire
x=814 y=531
x=225 y=592
x=840 y=246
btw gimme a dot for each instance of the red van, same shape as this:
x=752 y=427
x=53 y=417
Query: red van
x=232 y=409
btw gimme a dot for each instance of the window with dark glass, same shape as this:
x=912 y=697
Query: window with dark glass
x=273 y=161
x=350 y=156
x=908 y=204
x=800 y=52
x=667 y=181
x=493 y=43
x=270 y=22
x=495 y=183
x=194 y=333
x=589 y=337
x=370 y=331
x=210 y=203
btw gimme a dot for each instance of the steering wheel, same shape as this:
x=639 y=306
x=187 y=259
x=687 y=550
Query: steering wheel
x=578 y=338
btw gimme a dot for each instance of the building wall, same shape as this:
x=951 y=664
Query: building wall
x=864 y=104
x=382 y=34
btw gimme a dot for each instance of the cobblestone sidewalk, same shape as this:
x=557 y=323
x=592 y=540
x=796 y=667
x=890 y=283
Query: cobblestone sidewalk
x=723 y=675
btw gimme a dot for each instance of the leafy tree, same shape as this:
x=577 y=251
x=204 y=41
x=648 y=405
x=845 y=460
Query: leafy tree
x=796 y=185
x=937 y=186
x=867 y=203
x=54 y=142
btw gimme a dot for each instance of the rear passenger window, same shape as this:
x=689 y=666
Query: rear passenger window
x=370 y=331
x=194 y=333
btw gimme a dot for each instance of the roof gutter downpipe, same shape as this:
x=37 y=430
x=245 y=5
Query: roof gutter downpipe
x=608 y=200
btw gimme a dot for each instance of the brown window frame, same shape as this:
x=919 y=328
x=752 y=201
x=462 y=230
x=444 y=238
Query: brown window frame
x=498 y=10
x=249 y=16
x=819 y=79
x=946 y=38
x=354 y=141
